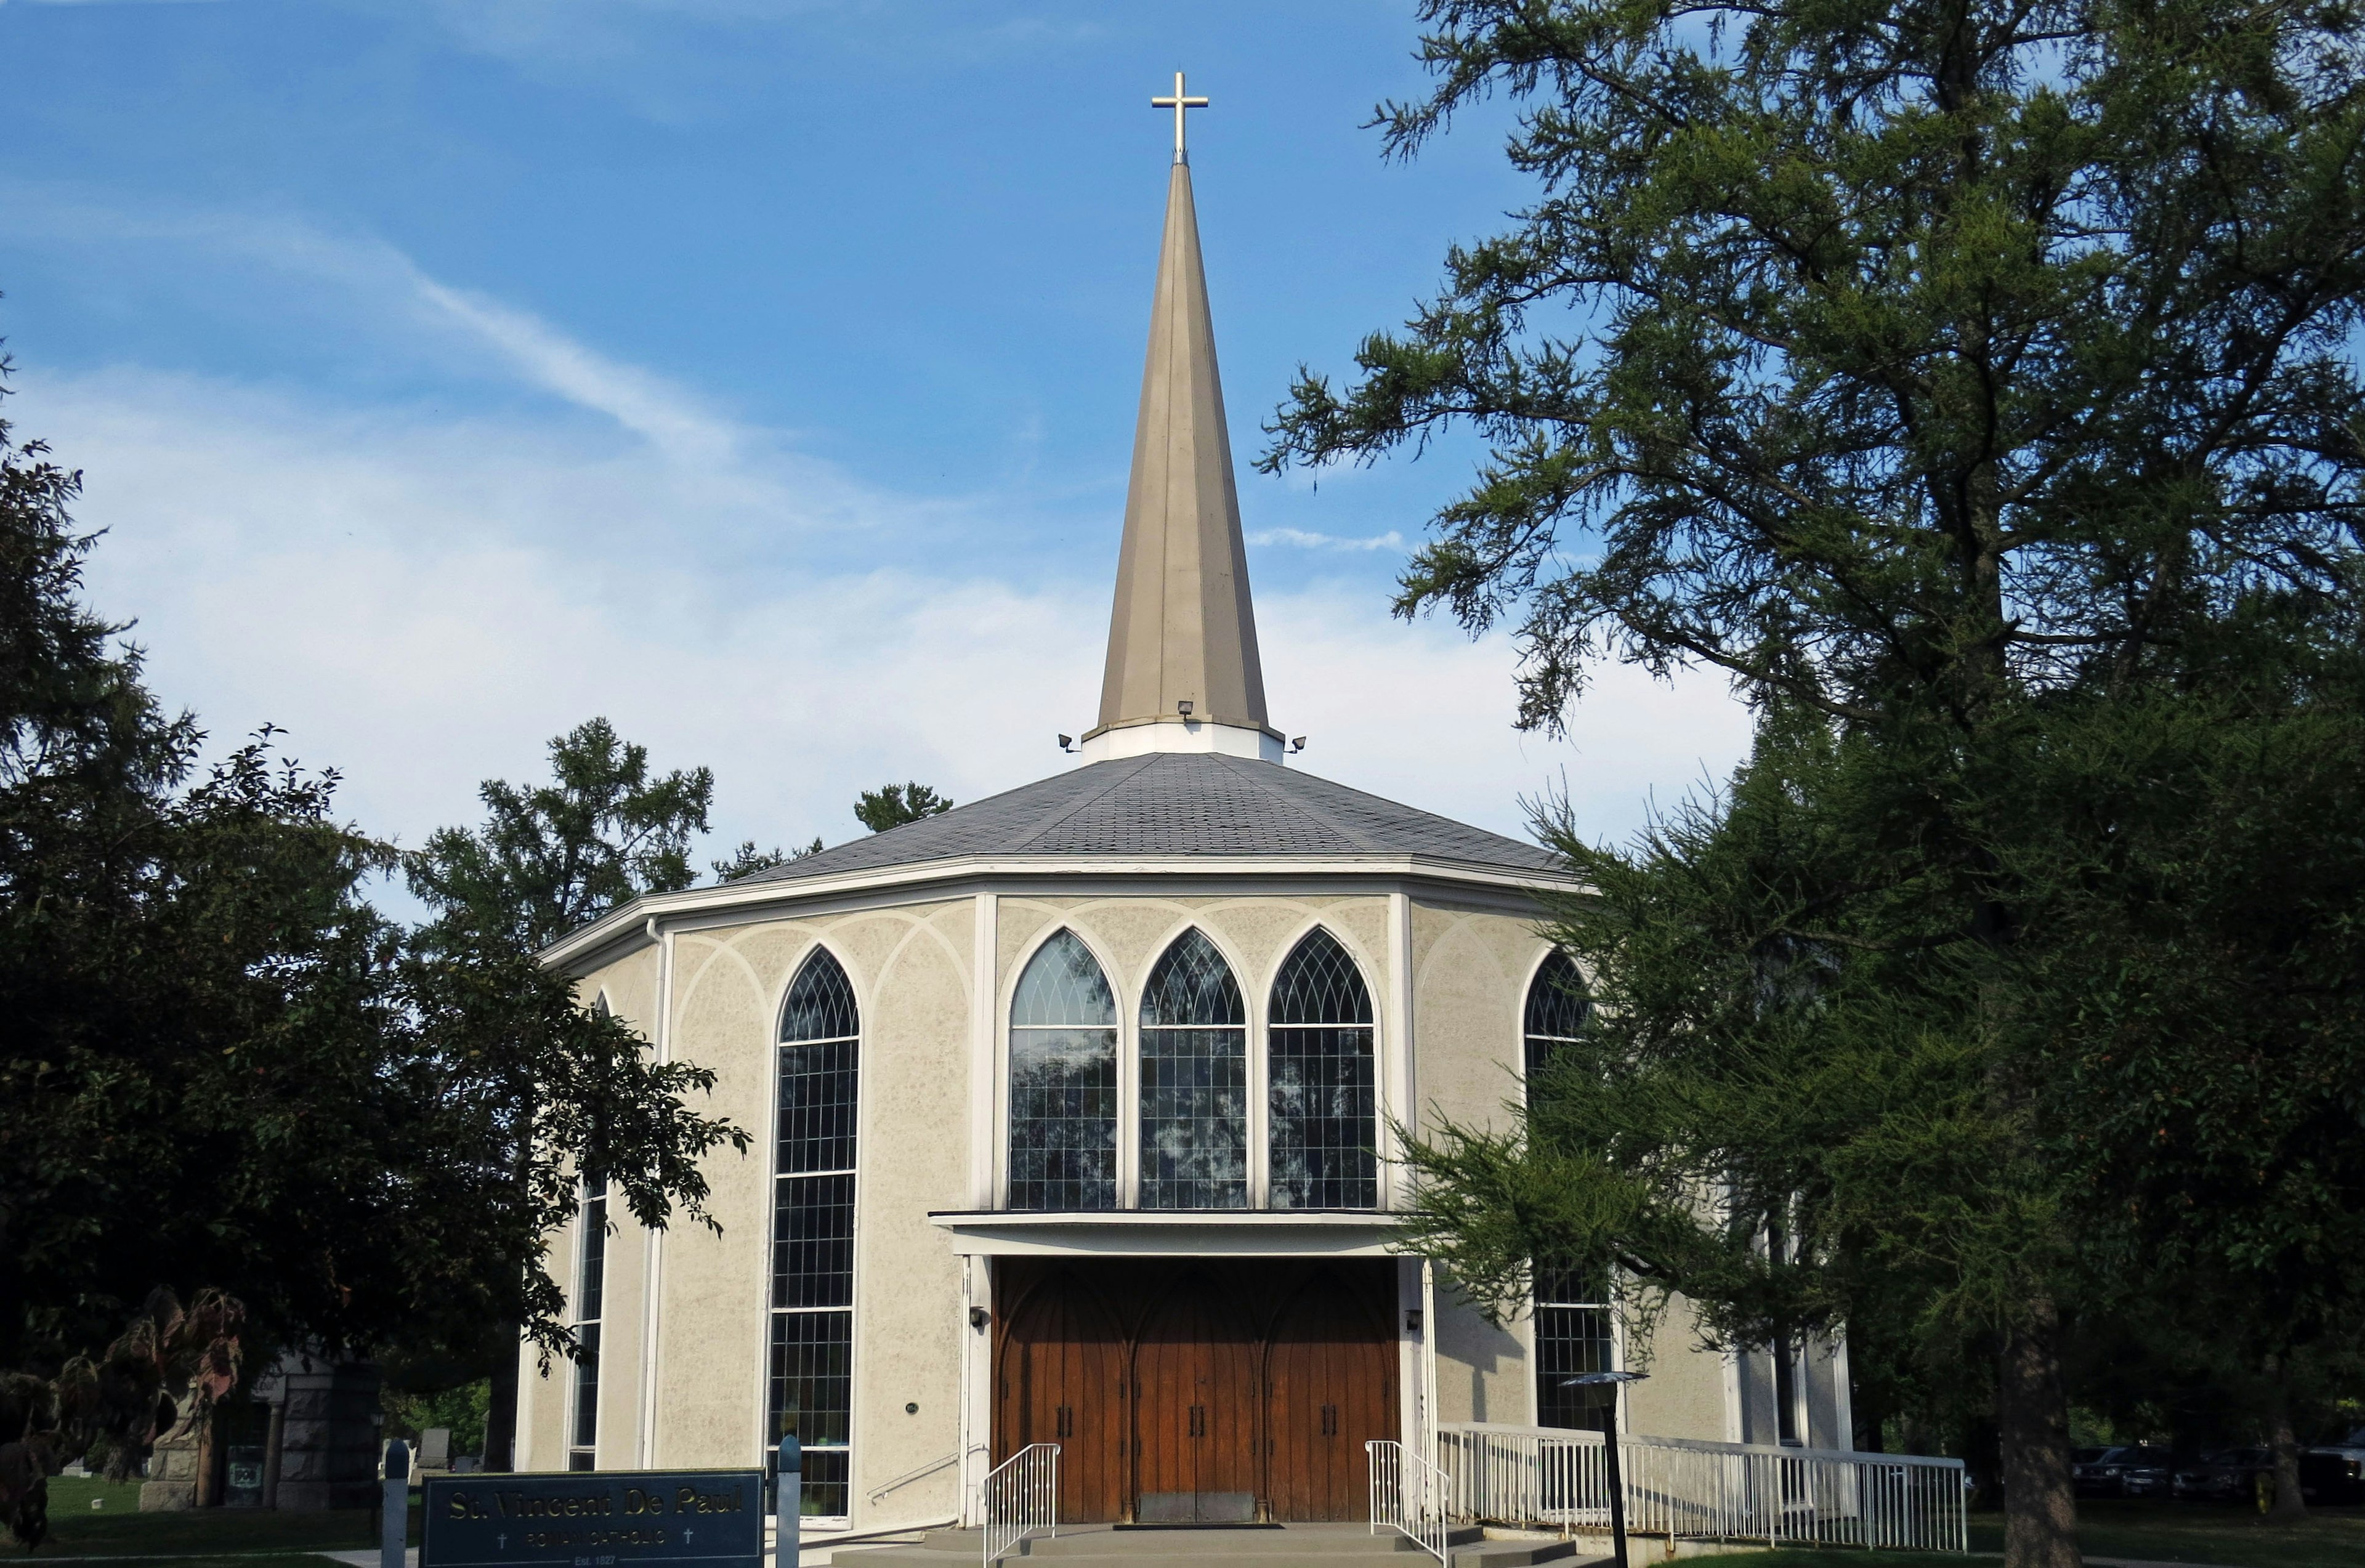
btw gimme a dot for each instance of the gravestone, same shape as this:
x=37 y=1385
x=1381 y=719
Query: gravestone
x=172 y=1479
x=328 y=1442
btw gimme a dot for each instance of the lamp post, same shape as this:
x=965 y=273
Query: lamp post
x=1610 y=1450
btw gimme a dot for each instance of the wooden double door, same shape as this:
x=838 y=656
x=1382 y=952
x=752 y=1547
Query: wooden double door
x=1204 y=1390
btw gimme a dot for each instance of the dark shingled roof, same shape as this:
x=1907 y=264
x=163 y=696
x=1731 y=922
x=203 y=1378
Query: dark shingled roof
x=1173 y=803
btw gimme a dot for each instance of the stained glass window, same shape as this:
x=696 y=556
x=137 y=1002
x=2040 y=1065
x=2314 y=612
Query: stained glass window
x=1194 y=1109
x=1572 y=1329
x=1557 y=1009
x=1324 y=1101
x=1063 y=1082
x=813 y=1227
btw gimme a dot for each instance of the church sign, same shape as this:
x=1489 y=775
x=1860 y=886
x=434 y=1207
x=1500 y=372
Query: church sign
x=714 y=1518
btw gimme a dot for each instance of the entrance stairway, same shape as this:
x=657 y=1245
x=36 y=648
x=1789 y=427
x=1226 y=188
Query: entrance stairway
x=1104 y=1546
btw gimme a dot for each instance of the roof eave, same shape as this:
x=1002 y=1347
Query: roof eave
x=638 y=923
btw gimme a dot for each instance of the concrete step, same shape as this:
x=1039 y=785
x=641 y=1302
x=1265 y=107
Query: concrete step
x=1099 y=1546
x=1524 y=1554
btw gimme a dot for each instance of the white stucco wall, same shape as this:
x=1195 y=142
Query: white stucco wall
x=924 y=1067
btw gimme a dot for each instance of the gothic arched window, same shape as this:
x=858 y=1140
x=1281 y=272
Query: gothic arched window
x=813 y=1227
x=1195 y=1082
x=1063 y=1082
x=1557 y=1010
x=1324 y=1101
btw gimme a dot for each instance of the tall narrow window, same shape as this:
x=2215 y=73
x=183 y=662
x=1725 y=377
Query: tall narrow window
x=1063 y=1082
x=812 y=1229
x=1195 y=1082
x=1572 y=1337
x=590 y=1278
x=1324 y=1106
x=1556 y=1011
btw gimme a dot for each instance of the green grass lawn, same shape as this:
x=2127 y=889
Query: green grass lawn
x=2170 y=1532
x=2150 y=1533
x=91 y=1519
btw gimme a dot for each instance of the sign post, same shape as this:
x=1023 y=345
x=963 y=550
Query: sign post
x=394 y=1519
x=666 y=1518
x=790 y=1503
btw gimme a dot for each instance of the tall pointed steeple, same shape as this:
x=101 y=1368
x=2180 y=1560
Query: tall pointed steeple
x=1182 y=671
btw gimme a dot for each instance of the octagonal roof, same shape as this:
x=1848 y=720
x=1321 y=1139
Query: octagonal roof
x=1171 y=804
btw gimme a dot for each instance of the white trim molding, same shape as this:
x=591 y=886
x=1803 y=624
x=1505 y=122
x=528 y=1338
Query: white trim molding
x=633 y=925
x=1172 y=732
x=1227 y=1233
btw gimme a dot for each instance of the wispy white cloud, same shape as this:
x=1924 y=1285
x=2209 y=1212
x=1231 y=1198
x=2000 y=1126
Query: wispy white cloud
x=1303 y=539
x=424 y=602
x=382 y=283
x=649 y=405
x=424 y=597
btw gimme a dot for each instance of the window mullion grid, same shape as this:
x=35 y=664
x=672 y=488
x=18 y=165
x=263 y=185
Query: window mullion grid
x=1194 y=1061
x=1570 y=1337
x=590 y=1292
x=807 y=1356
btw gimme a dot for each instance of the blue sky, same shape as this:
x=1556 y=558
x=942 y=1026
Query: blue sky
x=760 y=373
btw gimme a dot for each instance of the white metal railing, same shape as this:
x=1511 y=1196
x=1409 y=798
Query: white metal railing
x=1555 y=1478
x=1408 y=1493
x=1019 y=1496
x=900 y=1482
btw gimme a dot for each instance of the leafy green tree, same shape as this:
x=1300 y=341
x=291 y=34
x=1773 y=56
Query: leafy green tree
x=893 y=805
x=227 y=1078
x=187 y=1083
x=1928 y=370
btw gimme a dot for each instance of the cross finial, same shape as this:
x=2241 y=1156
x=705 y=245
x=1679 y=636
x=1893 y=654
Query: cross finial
x=1178 y=103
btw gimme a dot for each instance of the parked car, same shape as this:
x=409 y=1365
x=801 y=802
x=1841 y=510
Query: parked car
x=2334 y=1473
x=2227 y=1476
x=2330 y=1477
x=2135 y=1470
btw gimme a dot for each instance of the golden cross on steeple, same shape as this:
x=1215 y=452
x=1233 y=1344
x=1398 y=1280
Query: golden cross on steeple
x=1178 y=103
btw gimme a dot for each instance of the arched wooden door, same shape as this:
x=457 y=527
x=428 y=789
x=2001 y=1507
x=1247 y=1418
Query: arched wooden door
x=1195 y=1409
x=1061 y=1379
x=1330 y=1387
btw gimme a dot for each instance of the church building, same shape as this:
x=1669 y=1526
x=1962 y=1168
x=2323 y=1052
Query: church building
x=1073 y=1107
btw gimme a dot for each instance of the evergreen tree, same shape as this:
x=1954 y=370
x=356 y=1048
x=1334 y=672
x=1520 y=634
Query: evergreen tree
x=562 y=1091
x=1947 y=376
x=560 y=854
x=746 y=861
x=893 y=805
